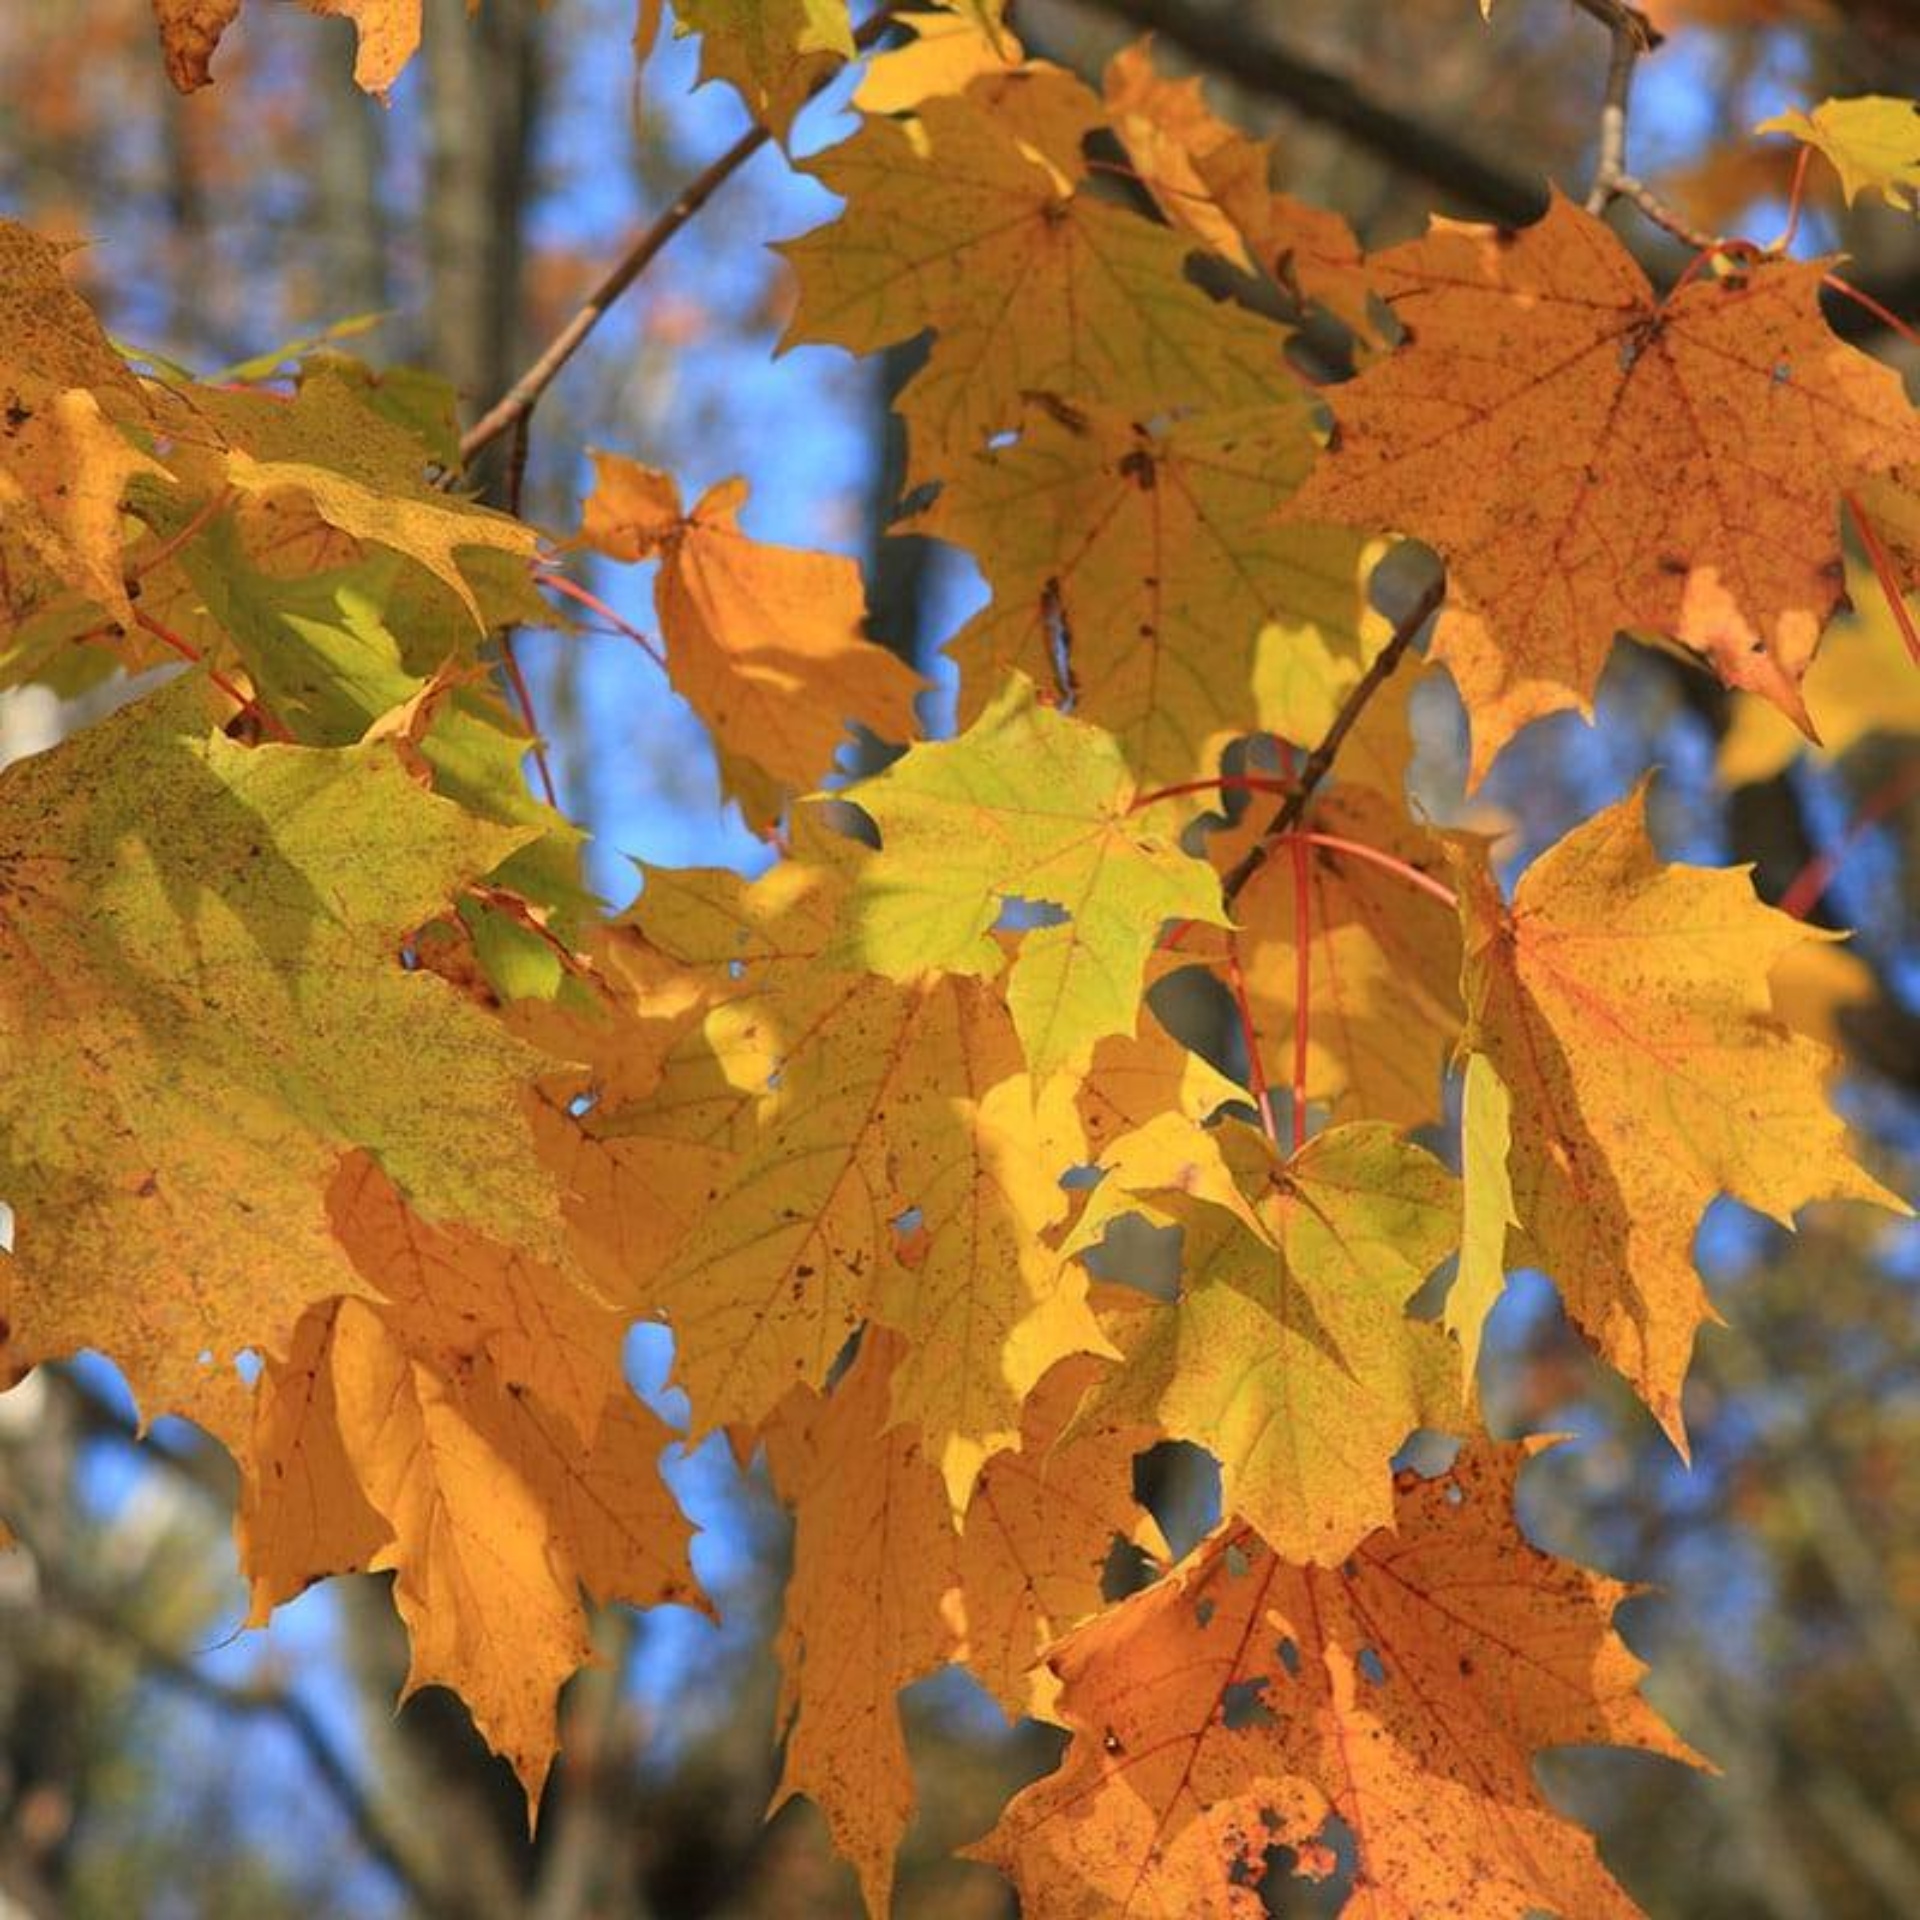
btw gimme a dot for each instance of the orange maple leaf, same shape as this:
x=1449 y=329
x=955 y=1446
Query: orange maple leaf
x=1589 y=459
x=1626 y=1006
x=1243 y=1703
x=765 y=643
x=871 y=1604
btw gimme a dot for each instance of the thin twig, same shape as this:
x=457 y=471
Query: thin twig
x=523 y=396
x=1612 y=165
x=268 y=722
x=1378 y=857
x=1633 y=34
x=560 y=583
x=1302 y=982
x=1319 y=762
x=1808 y=887
x=1886 y=573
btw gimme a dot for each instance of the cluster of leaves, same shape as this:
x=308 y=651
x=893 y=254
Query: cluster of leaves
x=318 y=1051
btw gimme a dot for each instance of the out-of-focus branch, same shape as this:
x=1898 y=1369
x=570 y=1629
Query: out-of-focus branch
x=1224 y=39
x=524 y=395
x=104 y=1623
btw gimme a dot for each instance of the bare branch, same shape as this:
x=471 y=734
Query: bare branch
x=523 y=396
x=1633 y=35
x=1612 y=166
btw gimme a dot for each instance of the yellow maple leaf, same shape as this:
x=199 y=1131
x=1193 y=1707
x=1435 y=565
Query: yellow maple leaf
x=370 y=1451
x=1625 y=1006
x=464 y=1295
x=968 y=220
x=358 y=472
x=1873 y=142
x=1383 y=958
x=1139 y=569
x=878 y=1153
x=1216 y=182
x=948 y=52
x=1863 y=682
x=871 y=1605
x=1038 y=1533
x=1589 y=459
x=1242 y=1704
x=765 y=643
x=1486 y=1204
x=772 y=52
x=205 y=1006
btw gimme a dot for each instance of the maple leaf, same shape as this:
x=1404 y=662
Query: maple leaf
x=1625 y=1006
x=464 y=1296
x=765 y=643
x=772 y=52
x=870 y=1606
x=968 y=221
x=369 y=1450
x=191 y=31
x=1873 y=142
x=844 y=1107
x=1137 y=1081
x=1039 y=1530
x=1242 y=1704
x=64 y=468
x=321 y=652
x=1289 y=1355
x=1139 y=569
x=357 y=472
x=1863 y=682
x=1699 y=449
x=1486 y=1204
x=1215 y=182
x=65 y=460
x=1027 y=804
x=948 y=51
x=205 y=1004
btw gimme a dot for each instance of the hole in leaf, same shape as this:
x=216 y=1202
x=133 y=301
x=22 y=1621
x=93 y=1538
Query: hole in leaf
x=1179 y=1484
x=1128 y=1569
x=1243 y=1705
x=1021 y=915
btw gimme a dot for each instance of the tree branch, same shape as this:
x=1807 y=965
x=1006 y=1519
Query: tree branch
x=519 y=401
x=1220 y=39
x=1320 y=761
x=291 y=1714
x=1633 y=35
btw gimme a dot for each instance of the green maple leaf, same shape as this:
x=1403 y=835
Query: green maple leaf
x=1027 y=805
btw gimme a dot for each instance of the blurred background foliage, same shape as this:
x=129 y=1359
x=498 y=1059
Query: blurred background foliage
x=155 y=1760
